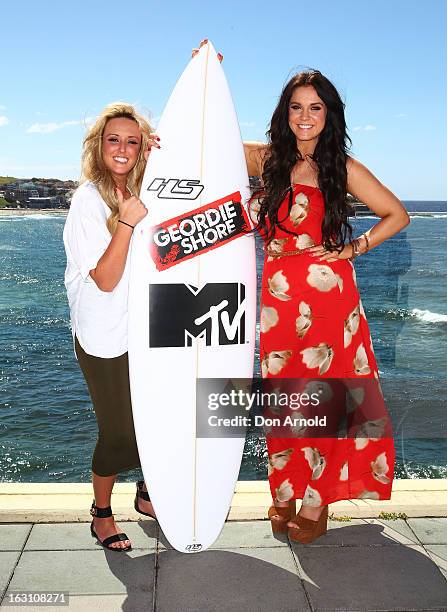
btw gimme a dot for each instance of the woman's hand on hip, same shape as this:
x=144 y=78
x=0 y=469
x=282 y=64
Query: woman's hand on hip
x=322 y=254
x=132 y=210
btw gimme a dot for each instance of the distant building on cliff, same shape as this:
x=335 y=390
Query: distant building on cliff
x=46 y=202
x=39 y=193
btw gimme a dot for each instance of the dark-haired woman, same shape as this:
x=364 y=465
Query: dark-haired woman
x=312 y=321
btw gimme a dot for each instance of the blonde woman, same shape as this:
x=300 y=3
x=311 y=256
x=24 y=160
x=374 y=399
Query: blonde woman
x=97 y=234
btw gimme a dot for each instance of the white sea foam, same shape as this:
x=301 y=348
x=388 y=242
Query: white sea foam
x=427 y=316
x=38 y=216
x=428 y=215
x=413 y=215
x=9 y=247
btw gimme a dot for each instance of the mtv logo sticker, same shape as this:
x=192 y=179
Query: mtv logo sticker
x=181 y=314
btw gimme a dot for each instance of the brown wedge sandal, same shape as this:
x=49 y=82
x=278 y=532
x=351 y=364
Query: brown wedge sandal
x=285 y=514
x=307 y=530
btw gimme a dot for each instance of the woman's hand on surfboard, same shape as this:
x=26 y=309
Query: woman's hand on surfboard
x=154 y=141
x=131 y=210
x=195 y=51
x=204 y=42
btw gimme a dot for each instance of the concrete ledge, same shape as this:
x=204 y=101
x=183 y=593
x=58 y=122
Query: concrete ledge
x=20 y=212
x=70 y=502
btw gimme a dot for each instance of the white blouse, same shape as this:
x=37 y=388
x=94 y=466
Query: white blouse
x=98 y=318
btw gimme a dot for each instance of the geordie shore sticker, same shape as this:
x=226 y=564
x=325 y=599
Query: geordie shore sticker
x=198 y=231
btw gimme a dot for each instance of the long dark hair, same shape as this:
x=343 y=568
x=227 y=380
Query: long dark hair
x=330 y=156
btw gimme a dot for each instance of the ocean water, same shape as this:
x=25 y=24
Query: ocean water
x=47 y=425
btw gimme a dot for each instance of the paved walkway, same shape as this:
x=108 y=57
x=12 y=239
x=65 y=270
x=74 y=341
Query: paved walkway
x=359 y=565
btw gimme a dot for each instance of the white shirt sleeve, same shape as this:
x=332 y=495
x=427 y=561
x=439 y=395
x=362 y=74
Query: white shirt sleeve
x=98 y=318
x=86 y=235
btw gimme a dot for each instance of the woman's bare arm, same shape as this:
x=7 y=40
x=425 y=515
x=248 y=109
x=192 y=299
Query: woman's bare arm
x=254 y=156
x=110 y=267
x=364 y=186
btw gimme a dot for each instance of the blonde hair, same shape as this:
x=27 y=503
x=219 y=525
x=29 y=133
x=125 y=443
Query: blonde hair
x=92 y=164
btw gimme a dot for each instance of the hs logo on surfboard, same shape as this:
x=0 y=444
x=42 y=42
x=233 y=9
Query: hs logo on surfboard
x=178 y=189
x=181 y=314
x=200 y=230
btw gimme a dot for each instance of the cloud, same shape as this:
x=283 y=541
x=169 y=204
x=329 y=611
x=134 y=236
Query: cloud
x=2 y=107
x=247 y=124
x=401 y=115
x=4 y=120
x=47 y=128
x=364 y=128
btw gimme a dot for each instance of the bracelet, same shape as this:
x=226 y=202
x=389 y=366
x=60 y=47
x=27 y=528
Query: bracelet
x=355 y=244
x=128 y=224
x=367 y=242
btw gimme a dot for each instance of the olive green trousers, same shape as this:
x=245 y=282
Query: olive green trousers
x=108 y=384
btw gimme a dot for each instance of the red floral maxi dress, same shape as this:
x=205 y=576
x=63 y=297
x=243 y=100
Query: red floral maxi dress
x=313 y=326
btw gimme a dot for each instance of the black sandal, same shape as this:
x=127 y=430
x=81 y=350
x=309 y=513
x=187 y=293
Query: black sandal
x=118 y=537
x=143 y=495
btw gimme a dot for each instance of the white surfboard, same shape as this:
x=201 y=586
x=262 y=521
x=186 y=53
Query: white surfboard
x=192 y=303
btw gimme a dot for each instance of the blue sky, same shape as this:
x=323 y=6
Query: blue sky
x=63 y=61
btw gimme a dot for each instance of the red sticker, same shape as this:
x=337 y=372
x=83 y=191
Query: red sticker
x=198 y=231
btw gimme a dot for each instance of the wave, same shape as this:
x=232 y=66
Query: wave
x=411 y=469
x=393 y=314
x=38 y=217
x=20 y=279
x=31 y=216
x=9 y=247
x=427 y=316
x=413 y=215
x=428 y=215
